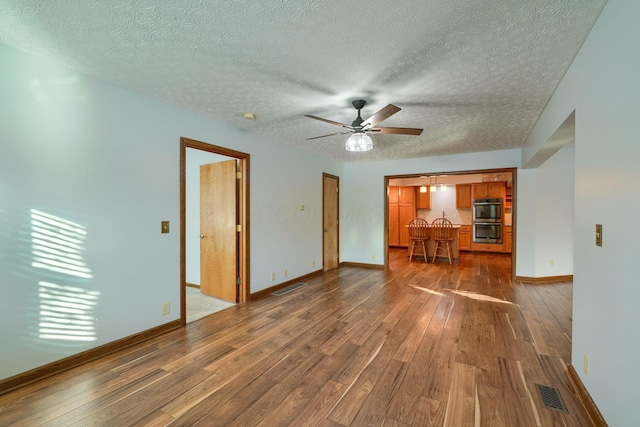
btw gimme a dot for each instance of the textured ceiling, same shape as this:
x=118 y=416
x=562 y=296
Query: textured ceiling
x=474 y=74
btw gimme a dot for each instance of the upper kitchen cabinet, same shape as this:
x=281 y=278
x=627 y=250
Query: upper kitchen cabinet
x=485 y=190
x=423 y=200
x=463 y=196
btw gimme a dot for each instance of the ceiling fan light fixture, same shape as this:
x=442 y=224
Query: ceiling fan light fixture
x=359 y=141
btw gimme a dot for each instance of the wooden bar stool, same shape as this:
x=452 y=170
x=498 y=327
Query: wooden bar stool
x=418 y=233
x=442 y=234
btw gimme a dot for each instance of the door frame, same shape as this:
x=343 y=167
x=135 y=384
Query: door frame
x=514 y=175
x=243 y=217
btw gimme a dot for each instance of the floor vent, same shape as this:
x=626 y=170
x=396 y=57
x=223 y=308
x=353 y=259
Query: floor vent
x=288 y=289
x=551 y=398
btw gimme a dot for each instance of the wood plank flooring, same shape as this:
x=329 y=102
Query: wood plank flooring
x=420 y=345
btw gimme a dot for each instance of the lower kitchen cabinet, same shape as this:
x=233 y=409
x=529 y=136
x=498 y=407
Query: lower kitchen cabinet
x=487 y=247
x=465 y=238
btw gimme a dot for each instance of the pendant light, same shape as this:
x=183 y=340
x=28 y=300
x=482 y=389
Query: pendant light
x=423 y=188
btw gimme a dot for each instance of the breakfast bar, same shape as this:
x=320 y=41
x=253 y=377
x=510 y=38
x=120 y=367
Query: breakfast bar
x=455 y=246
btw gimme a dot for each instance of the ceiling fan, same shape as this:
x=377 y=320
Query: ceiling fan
x=359 y=140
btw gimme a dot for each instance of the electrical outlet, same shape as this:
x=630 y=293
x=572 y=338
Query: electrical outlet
x=166 y=308
x=585 y=364
x=551 y=263
x=164 y=227
x=313 y=264
x=273 y=276
x=285 y=273
x=598 y=234
x=373 y=257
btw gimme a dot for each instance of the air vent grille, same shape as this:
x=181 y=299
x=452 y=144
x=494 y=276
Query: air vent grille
x=288 y=289
x=551 y=398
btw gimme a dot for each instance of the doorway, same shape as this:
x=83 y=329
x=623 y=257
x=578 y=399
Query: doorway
x=441 y=195
x=226 y=175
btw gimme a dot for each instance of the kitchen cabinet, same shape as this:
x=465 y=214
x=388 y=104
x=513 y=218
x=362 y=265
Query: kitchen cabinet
x=401 y=211
x=487 y=247
x=486 y=190
x=465 y=237
x=423 y=200
x=508 y=239
x=480 y=191
x=463 y=196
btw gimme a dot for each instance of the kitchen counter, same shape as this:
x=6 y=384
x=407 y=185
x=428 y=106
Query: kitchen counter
x=455 y=247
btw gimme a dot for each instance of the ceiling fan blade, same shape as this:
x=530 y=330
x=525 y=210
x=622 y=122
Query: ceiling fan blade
x=331 y=122
x=381 y=115
x=331 y=134
x=397 y=131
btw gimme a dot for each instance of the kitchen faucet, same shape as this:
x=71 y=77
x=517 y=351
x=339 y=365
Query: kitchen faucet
x=442 y=214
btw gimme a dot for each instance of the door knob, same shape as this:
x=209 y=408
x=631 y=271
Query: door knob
x=202 y=236
x=326 y=230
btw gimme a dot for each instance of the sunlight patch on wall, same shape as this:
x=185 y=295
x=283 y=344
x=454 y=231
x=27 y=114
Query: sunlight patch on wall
x=67 y=312
x=57 y=245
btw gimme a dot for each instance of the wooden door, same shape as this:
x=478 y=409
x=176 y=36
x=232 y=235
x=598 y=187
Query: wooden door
x=330 y=215
x=218 y=233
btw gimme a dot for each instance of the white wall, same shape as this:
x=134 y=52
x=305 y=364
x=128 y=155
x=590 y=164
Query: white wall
x=545 y=217
x=106 y=161
x=603 y=88
x=362 y=196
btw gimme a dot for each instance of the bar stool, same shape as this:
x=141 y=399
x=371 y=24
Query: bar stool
x=442 y=233
x=418 y=233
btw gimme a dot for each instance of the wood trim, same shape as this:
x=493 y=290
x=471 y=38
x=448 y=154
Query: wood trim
x=385 y=190
x=592 y=410
x=191 y=285
x=268 y=291
x=546 y=279
x=362 y=265
x=78 y=359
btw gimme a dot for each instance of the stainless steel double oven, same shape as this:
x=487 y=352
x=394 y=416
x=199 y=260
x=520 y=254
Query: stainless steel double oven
x=487 y=220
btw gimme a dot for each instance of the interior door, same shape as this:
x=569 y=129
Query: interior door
x=218 y=233
x=330 y=214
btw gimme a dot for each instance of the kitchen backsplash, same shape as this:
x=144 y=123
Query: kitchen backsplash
x=445 y=201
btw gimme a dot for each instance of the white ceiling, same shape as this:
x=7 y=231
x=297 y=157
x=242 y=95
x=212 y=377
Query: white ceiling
x=474 y=74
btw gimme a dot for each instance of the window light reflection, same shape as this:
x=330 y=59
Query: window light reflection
x=66 y=312
x=57 y=245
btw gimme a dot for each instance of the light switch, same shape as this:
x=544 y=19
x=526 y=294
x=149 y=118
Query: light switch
x=598 y=234
x=164 y=227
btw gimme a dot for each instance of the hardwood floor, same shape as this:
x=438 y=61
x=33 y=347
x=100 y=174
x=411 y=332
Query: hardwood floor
x=420 y=345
